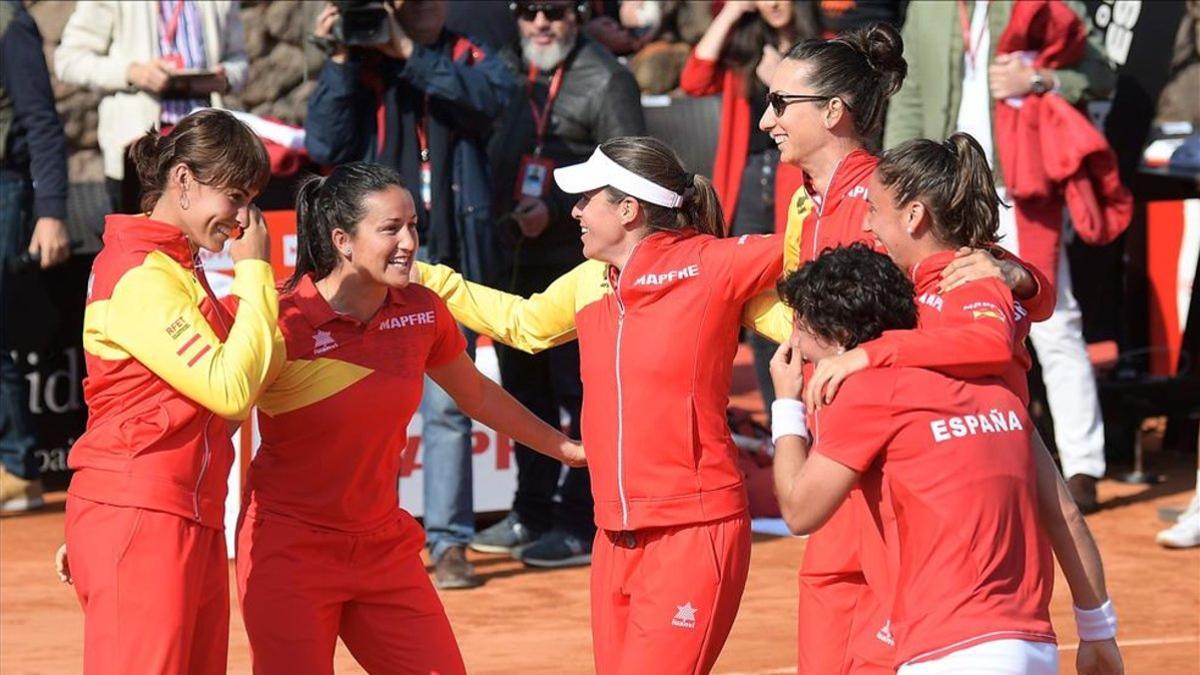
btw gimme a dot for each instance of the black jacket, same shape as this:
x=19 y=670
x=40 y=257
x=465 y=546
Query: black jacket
x=598 y=100
x=36 y=147
x=466 y=94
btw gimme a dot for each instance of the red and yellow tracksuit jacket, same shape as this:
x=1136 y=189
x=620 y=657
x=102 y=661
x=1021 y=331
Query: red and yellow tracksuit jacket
x=657 y=342
x=167 y=365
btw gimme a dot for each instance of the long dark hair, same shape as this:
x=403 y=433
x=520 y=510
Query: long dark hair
x=655 y=161
x=864 y=67
x=953 y=181
x=330 y=203
x=215 y=146
x=742 y=51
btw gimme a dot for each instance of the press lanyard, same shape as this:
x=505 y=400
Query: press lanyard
x=971 y=44
x=172 y=25
x=422 y=125
x=541 y=118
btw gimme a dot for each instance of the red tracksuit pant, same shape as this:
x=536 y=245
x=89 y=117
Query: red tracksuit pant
x=300 y=588
x=664 y=599
x=843 y=626
x=154 y=589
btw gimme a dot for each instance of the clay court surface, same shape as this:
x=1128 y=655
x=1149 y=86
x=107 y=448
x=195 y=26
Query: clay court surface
x=524 y=621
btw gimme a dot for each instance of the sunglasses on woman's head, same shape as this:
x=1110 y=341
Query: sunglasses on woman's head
x=528 y=11
x=779 y=101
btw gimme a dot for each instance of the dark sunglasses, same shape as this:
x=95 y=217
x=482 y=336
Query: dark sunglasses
x=779 y=101
x=528 y=11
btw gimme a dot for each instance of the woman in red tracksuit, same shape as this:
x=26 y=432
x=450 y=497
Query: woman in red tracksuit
x=324 y=550
x=826 y=102
x=672 y=549
x=169 y=369
x=735 y=58
x=928 y=200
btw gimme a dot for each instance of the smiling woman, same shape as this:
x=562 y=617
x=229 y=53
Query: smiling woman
x=322 y=533
x=167 y=365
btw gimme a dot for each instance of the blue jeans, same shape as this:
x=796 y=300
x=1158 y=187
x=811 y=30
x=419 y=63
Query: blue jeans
x=17 y=441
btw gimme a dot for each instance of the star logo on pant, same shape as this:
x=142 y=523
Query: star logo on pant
x=685 y=616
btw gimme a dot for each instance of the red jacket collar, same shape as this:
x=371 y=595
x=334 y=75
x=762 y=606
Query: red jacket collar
x=158 y=235
x=318 y=312
x=854 y=169
x=926 y=274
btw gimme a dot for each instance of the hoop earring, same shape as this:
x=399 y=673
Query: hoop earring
x=184 y=202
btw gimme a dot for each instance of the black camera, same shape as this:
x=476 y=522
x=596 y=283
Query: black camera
x=361 y=22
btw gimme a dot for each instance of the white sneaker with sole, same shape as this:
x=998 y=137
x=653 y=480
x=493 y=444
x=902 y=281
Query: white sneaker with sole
x=1185 y=533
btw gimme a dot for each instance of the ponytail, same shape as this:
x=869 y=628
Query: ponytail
x=655 y=161
x=953 y=181
x=217 y=148
x=334 y=202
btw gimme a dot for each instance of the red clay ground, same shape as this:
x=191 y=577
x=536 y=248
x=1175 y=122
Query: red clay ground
x=537 y=622
x=523 y=621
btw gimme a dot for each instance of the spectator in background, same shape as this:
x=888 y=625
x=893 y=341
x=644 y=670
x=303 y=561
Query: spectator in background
x=131 y=51
x=424 y=103
x=960 y=37
x=33 y=208
x=838 y=16
x=576 y=96
x=488 y=20
x=736 y=58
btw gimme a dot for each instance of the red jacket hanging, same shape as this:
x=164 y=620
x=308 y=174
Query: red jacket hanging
x=1049 y=151
x=702 y=77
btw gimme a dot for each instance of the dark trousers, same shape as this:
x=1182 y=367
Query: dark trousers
x=755 y=214
x=547 y=383
x=17 y=441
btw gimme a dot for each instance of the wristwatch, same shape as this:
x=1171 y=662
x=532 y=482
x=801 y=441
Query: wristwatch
x=1038 y=83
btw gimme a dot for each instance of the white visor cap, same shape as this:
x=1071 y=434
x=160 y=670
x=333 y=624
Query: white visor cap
x=600 y=171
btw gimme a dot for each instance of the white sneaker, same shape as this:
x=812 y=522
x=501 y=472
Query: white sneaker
x=1185 y=533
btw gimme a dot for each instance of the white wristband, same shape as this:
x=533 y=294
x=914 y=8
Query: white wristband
x=1097 y=624
x=787 y=419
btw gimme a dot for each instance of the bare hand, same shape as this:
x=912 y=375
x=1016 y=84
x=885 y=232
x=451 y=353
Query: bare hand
x=399 y=45
x=572 y=454
x=150 y=76
x=62 y=566
x=1099 y=658
x=766 y=66
x=50 y=243
x=326 y=20
x=736 y=8
x=787 y=372
x=255 y=242
x=829 y=374
x=1008 y=76
x=606 y=31
x=970 y=264
x=532 y=216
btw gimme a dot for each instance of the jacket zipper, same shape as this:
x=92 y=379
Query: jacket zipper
x=620 y=397
x=821 y=206
x=204 y=460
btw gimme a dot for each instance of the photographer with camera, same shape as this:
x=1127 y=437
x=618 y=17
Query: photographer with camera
x=576 y=96
x=401 y=90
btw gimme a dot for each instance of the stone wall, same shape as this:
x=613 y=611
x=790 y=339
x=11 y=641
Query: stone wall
x=283 y=70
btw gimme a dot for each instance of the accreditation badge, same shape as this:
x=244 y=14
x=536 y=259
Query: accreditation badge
x=533 y=177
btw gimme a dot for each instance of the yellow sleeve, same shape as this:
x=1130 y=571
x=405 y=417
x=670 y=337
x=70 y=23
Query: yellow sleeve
x=153 y=316
x=542 y=321
x=765 y=313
